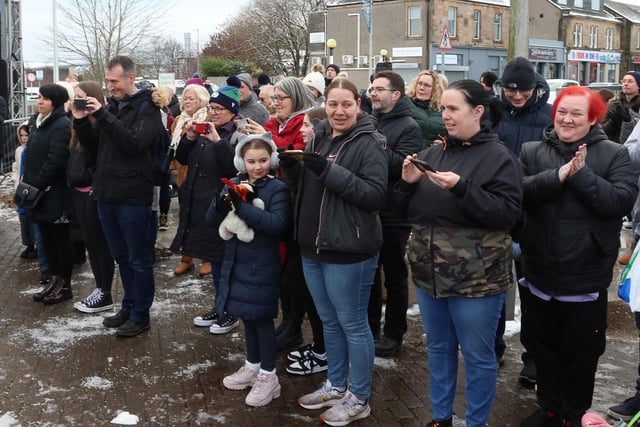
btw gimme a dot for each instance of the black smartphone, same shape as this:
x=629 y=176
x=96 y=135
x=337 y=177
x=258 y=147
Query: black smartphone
x=80 y=104
x=422 y=165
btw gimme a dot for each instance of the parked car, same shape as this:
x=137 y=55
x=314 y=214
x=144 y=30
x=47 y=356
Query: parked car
x=557 y=85
x=613 y=87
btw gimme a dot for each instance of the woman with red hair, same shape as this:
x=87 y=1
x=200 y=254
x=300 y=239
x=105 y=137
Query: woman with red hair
x=578 y=185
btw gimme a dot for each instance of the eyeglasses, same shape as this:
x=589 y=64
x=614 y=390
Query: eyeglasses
x=279 y=98
x=379 y=90
x=518 y=91
x=217 y=110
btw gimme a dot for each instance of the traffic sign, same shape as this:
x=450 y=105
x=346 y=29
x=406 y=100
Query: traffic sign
x=445 y=40
x=31 y=77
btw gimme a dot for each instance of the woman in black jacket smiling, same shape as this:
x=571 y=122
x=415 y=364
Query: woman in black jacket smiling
x=45 y=168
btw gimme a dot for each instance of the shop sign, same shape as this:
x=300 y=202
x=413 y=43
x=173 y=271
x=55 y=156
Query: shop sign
x=594 y=56
x=543 y=54
x=635 y=59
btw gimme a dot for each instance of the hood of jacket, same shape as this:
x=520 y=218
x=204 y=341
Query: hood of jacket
x=401 y=109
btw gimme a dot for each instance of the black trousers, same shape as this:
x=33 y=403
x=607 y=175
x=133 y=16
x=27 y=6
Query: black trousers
x=396 y=275
x=86 y=215
x=56 y=239
x=260 y=338
x=566 y=340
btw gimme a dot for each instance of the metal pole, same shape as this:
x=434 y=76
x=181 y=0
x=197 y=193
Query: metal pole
x=198 y=50
x=371 y=64
x=56 y=76
x=357 y=15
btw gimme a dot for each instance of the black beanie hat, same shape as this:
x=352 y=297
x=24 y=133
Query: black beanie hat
x=335 y=68
x=55 y=93
x=635 y=75
x=518 y=74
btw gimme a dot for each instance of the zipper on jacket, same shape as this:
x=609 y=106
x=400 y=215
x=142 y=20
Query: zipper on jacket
x=433 y=264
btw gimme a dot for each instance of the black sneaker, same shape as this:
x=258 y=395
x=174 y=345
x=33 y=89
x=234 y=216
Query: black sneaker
x=542 y=418
x=311 y=364
x=116 y=320
x=225 y=323
x=96 y=302
x=300 y=353
x=207 y=319
x=527 y=377
x=387 y=347
x=163 y=222
x=626 y=410
x=131 y=328
x=30 y=252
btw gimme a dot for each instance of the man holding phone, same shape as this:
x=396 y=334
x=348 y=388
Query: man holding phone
x=124 y=132
x=393 y=110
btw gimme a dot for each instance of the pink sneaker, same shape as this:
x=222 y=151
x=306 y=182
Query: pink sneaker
x=243 y=378
x=264 y=390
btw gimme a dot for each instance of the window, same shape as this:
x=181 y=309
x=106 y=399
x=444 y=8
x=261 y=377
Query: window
x=562 y=1
x=637 y=40
x=414 y=19
x=593 y=37
x=578 y=3
x=577 y=35
x=497 y=27
x=608 y=38
x=595 y=4
x=451 y=21
x=476 y=24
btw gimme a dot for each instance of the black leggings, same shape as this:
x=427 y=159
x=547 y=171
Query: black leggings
x=56 y=239
x=260 y=338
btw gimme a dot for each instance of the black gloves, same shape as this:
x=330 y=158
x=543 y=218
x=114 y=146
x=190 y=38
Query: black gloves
x=286 y=160
x=315 y=162
x=223 y=204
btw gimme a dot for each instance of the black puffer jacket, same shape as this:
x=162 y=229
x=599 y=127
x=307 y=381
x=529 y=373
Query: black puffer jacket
x=403 y=137
x=45 y=164
x=123 y=136
x=571 y=231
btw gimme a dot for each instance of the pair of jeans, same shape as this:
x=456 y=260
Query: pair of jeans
x=396 y=275
x=43 y=265
x=129 y=233
x=469 y=323
x=341 y=295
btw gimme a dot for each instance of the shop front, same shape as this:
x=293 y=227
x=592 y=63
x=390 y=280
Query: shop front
x=587 y=66
x=548 y=56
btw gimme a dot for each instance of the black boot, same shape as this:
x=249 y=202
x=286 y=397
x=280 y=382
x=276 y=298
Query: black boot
x=60 y=292
x=38 y=296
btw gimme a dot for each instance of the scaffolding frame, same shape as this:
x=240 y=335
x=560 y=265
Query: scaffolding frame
x=15 y=63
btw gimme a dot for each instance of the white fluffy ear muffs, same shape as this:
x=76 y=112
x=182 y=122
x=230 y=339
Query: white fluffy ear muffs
x=243 y=139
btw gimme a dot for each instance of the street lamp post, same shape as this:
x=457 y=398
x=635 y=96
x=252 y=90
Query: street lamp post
x=331 y=44
x=357 y=15
x=384 y=53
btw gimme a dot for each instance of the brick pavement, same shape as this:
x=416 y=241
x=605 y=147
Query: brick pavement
x=59 y=367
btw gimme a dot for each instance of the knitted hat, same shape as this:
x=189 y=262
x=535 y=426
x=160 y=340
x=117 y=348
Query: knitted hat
x=195 y=81
x=243 y=139
x=335 y=68
x=57 y=94
x=635 y=75
x=315 y=80
x=244 y=78
x=518 y=74
x=263 y=79
x=228 y=97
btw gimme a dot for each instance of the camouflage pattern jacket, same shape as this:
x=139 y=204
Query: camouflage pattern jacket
x=460 y=244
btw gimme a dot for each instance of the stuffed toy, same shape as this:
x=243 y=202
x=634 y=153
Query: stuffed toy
x=232 y=224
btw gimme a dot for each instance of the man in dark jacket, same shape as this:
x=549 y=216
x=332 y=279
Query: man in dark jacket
x=124 y=136
x=393 y=111
x=524 y=95
x=618 y=108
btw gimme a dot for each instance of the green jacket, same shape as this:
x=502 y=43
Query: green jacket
x=430 y=121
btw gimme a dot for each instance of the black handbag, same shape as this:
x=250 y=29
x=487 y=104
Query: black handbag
x=27 y=196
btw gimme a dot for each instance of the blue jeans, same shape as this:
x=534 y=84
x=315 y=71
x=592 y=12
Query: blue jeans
x=129 y=233
x=471 y=324
x=341 y=295
x=43 y=265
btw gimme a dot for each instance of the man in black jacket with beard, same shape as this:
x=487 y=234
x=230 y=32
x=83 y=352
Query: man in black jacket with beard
x=392 y=109
x=124 y=136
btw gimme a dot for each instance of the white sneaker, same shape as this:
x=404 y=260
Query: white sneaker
x=349 y=409
x=324 y=396
x=264 y=390
x=243 y=378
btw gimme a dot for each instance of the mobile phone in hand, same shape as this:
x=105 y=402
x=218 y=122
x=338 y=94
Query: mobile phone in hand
x=80 y=104
x=422 y=165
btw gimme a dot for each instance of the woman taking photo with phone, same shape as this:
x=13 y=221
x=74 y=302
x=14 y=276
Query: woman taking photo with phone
x=460 y=253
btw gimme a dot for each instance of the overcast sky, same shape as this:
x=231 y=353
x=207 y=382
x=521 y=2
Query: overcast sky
x=37 y=23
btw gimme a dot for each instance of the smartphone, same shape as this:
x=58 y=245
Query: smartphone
x=201 y=128
x=80 y=104
x=422 y=165
x=242 y=124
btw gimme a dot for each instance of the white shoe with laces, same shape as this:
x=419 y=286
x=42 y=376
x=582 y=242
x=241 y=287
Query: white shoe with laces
x=243 y=378
x=326 y=395
x=348 y=410
x=264 y=390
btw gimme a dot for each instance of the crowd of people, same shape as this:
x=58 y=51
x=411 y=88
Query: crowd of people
x=311 y=195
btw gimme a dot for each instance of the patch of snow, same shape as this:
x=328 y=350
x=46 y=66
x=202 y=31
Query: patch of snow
x=7 y=420
x=190 y=370
x=97 y=383
x=385 y=363
x=125 y=418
